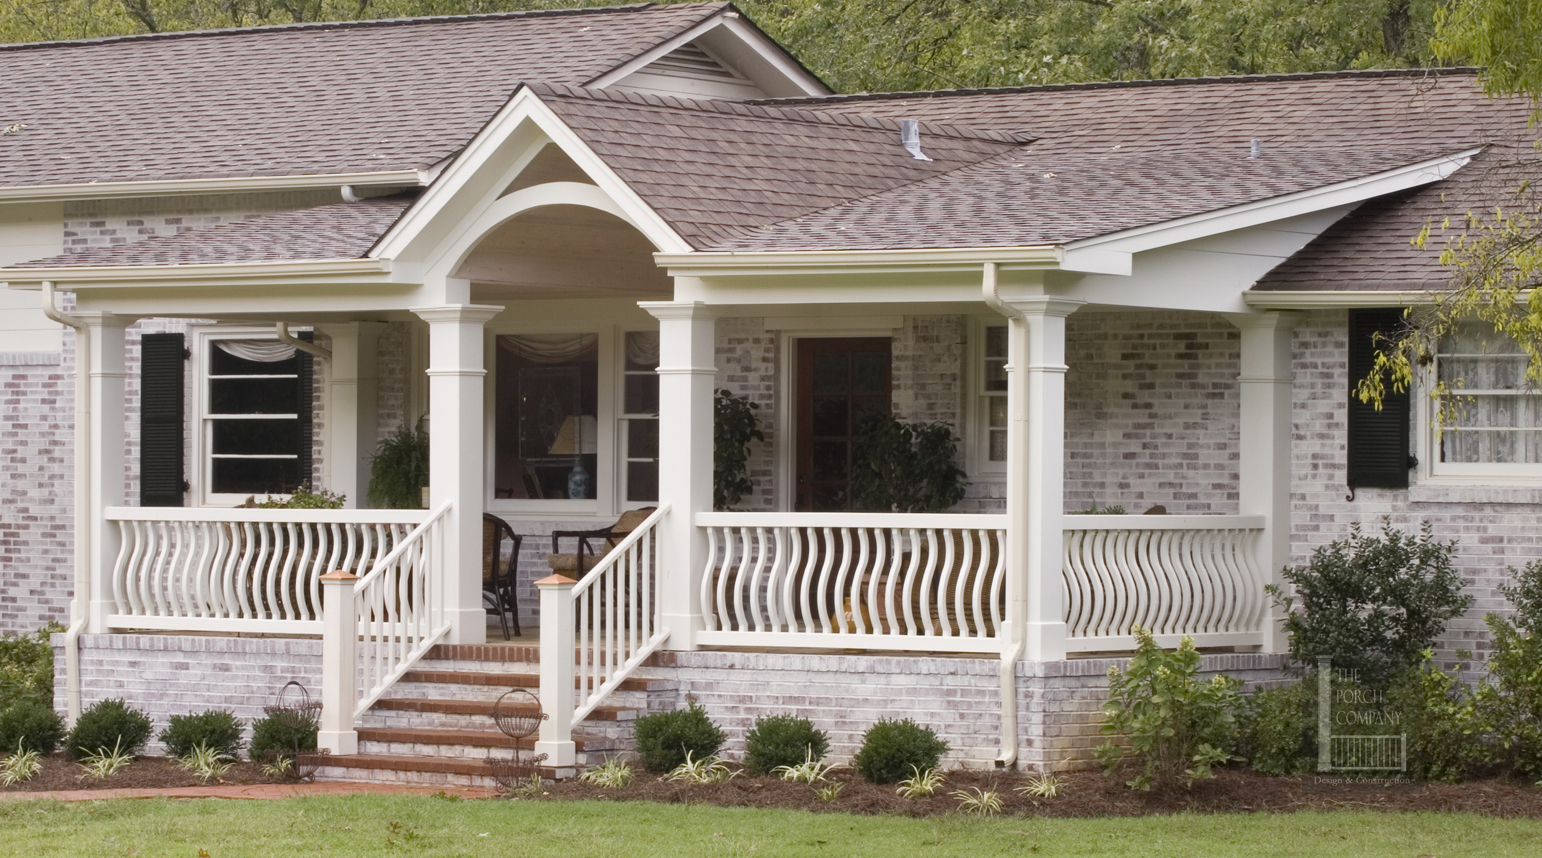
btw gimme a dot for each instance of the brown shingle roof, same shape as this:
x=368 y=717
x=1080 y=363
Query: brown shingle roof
x=296 y=100
x=713 y=168
x=335 y=231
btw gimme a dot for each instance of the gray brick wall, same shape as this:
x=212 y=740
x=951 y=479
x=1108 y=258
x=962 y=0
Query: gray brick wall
x=37 y=425
x=167 y=675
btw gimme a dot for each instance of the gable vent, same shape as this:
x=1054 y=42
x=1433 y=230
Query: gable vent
x=693 y=62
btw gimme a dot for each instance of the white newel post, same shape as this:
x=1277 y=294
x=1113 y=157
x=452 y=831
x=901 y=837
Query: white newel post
x=687 y=373
x=555 y=739
x=339 y=663
x=1263 y=447
x=1036 y=467
x=455 y=459
x=107 y=480
x=351 y=405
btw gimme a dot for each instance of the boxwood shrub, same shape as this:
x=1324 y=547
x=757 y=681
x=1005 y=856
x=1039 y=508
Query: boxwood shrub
x=105 y=726
x=783 y=740
x=30 y=725
x=664 y=738
x=890 y=749
x=215 y=729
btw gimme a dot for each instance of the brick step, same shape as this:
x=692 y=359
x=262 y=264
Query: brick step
x=512 y=679
x=468 y=738
x=485 y=708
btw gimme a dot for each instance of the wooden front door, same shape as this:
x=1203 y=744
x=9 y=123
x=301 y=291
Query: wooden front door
x=842 y=383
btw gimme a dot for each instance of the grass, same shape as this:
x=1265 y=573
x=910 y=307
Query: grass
x=380 y=825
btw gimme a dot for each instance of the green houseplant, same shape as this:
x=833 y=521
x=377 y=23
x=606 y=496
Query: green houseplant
x=734 y=426
x=399 y=470
x=906 y=467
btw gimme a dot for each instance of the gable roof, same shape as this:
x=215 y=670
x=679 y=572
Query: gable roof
x=360 y=97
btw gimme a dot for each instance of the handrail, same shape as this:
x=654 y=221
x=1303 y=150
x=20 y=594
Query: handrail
x=243 y=514
x=619 y=551
x=921 y=520
x=396 y=551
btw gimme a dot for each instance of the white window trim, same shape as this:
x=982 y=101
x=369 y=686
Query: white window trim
x=974 y=412
x=621 y=458
x=201 y=443
x=1433 y=472
x=609 y=479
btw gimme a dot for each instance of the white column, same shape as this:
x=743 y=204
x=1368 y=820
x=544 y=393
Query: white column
x=352 y=395
x=106 y=369
x=687 y=373
x=1036 y=468
x=455 y=457
x=555 y=739
x=1263 y=447
x=339 y=663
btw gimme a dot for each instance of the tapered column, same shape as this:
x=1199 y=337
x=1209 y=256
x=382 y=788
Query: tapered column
x=1263 y=447
x=352 y=402
x=687 y=372
x=106 y=422
x=455 y=466
x=1036 y=468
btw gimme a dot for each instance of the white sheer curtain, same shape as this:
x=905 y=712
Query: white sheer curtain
x=550 y=348
x=261 y=351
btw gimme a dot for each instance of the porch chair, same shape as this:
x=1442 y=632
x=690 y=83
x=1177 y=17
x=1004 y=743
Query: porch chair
x=585 y=556
x=498 y=574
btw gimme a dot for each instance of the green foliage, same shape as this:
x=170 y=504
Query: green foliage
x=1040 y=785
x=611 y=774
x=921 y=784
x=783 y=740
x=707 y=770
x=1278 y=728
x=1177 y=726
x=30 y=725
x=20 y=765
x=1373 y=604
x=1504 y=37
x=1436 y=711
x=734 y=426
x=27 y=666
x=399 y=470
x=1509 y=699
x=906 y=467
x=978 y=801
x=206 y=762
x=273 y=737
x=892 y=749
x=1110 y=509
x=216 y=729
x=105 y=763
x=666 y=739
x=304 y=498
x=106 y=728
x=806 y=772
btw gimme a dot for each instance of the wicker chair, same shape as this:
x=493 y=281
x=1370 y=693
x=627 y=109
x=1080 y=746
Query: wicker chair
x=498 y=574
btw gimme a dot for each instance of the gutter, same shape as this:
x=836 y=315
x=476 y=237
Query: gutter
x=82 y=601
x=281 y=331
x=1008 y=758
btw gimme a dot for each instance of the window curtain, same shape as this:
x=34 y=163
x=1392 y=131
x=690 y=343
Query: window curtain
x=260 y=351
x=550 y=348
x=642 y=348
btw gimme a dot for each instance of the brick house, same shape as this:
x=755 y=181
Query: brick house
x=553 y=235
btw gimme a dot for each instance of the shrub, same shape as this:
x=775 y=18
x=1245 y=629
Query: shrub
x=304 y=498
x=1177 y=726
x=27 y=666
x=105 y=726
x=216 y=730
x=1372 y=603
x=399 y=470
x=892 y=750
x=1436 y=712
x=783 y=740
x=906 y=467
x=664 y=739
x=1278 y=730
x=1509 y=699
x=734 y=426
x=275 y=735
x=31 y=726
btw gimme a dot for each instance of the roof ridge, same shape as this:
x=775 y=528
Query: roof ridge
x=350 y=25
x=1434 y=72
x=762 y=108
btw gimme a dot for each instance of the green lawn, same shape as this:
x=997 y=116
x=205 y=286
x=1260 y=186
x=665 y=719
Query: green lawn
x=380 y=825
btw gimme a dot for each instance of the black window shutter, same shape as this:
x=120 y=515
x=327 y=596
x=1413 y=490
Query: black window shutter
x=1378 y=439
x=161 y=478
x=307 y=410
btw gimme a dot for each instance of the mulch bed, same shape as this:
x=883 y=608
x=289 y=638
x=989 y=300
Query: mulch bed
x=61 y=773
x=1091 y=794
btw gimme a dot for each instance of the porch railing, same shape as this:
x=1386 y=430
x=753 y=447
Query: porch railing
x=854 y=580
x=399 y=609
x=1175 y=575
x=240 y=570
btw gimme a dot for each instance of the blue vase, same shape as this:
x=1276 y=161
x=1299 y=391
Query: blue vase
x=578 y=482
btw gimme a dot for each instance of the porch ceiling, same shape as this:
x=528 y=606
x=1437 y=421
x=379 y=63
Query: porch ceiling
x=564 y=252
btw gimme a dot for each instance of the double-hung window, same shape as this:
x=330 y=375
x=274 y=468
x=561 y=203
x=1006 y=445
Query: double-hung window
x=1494 y=427
x=990 y=395
x=256 y=419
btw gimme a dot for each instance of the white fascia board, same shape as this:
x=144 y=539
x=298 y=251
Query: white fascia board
x=1103 y=252
x=188 y=187
x=768 y=52
x=524 y=106
x=730 y=263
x=1334 y=299
x=203 y=275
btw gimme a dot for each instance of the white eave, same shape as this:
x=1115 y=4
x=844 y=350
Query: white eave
x=731 y=262
x=1330 y=299
x=204 y=274
x=233 y=185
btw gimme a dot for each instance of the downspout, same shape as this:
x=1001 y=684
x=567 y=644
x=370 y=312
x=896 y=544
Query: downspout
x=281 y=330
x=1014 y=650
x=82 y=500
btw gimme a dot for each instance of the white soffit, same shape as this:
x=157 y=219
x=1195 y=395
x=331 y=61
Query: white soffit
x=737 y=44
x=1112 y=254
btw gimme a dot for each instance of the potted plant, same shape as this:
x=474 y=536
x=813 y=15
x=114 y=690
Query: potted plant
x=398 y=472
